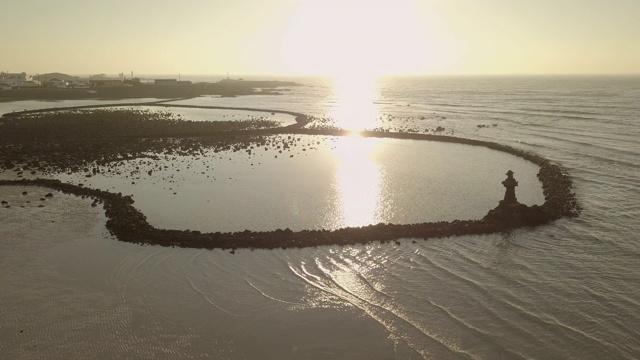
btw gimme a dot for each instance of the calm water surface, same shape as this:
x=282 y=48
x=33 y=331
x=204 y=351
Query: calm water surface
x=318 y=183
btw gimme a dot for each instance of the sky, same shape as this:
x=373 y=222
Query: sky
x=316 y=37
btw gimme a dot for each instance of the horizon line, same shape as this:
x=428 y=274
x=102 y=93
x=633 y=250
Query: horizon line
x=224 y=74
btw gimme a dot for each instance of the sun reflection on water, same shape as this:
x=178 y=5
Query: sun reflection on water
x=358 y=177
x=354 y=105
x=358 y=180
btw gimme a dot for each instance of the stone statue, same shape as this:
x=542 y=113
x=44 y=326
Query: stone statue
x=510 y=194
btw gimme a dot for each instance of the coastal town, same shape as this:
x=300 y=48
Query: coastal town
x=9 y=81
x=13 y=81
x=55 y=86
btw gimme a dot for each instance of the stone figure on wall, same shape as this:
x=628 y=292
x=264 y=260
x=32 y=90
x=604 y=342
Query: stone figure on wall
x=510 y=194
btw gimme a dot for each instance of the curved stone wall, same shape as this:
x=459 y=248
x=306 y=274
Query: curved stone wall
x=128 y=224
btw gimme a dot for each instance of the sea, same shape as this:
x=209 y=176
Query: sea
x=566 y=290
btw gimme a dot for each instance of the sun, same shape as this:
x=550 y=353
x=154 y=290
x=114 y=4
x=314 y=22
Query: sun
x=347 y=37
x=355 y=42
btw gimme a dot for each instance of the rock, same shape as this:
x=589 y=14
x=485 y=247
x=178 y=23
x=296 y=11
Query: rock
x=516 y=215
x=128 y=224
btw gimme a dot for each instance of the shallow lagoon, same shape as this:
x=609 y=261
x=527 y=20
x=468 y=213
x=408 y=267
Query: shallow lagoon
x=317 y=182
x=7 y=107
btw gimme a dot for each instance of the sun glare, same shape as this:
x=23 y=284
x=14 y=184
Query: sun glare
x=355 y=42
x=358 y=180
x=343 y=38
x=354 y=106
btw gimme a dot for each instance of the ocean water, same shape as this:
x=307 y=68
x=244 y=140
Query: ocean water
x=564 y=290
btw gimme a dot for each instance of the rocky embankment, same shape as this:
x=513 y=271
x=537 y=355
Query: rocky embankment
x=71 y=140
x=42 y=144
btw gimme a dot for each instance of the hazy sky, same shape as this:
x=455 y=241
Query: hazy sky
x=320 y=37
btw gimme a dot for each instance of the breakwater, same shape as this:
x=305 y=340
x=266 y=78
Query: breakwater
x=128 y=224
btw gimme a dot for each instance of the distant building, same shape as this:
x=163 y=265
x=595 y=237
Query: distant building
x=13 y=79
x=133 y=82
x=184 y=82
x=5 y=86
x=166 y=82
x=103 y=80
x=30 y=84
x=16 y=80
x=55 y=83
x=78 y=84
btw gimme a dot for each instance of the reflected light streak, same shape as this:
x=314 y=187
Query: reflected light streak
x=358 y=180
x=354 y=105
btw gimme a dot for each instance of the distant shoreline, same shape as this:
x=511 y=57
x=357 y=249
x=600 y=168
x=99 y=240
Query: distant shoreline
x=226 y=88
